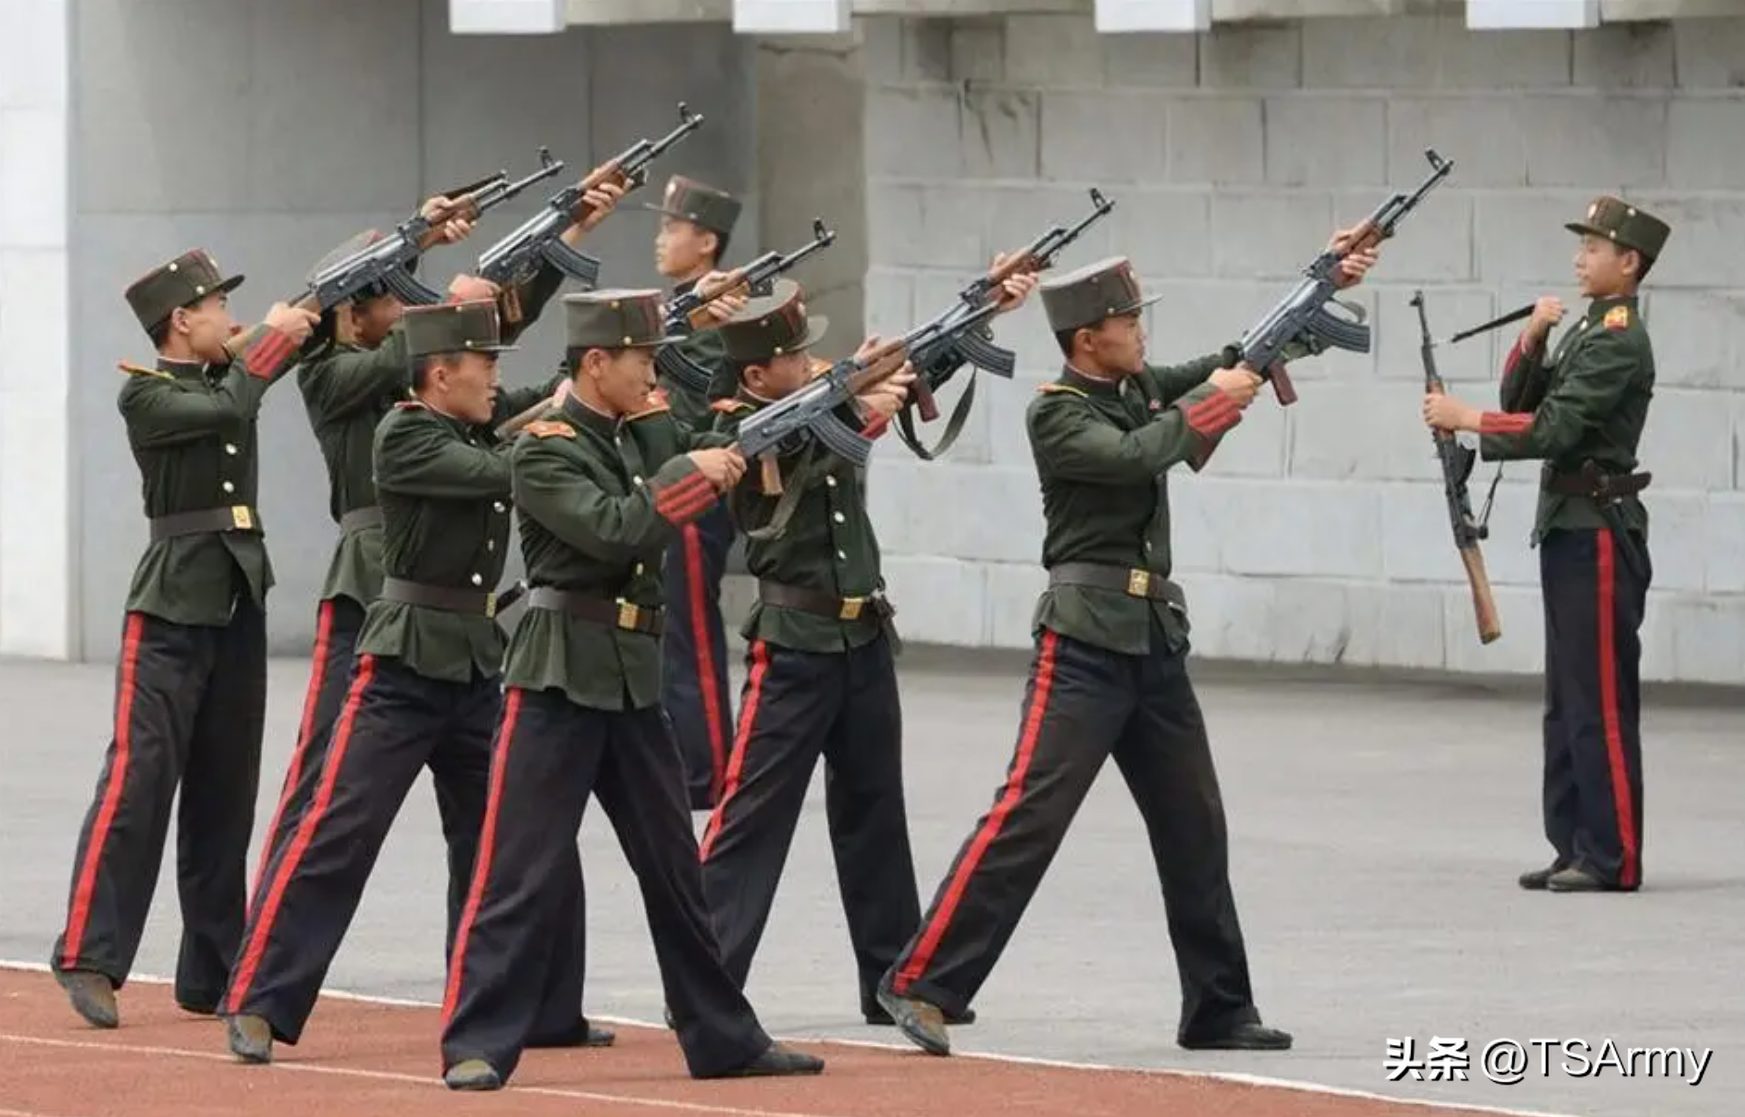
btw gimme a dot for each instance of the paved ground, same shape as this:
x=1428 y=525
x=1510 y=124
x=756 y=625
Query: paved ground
x=1377 y=827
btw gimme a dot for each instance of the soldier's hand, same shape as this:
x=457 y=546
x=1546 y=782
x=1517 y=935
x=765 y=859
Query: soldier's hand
x=451 y=231
x=722 y=468
x=1351 y=270
x=469 y=288
x=600 y=201
x=888 y=396
x=293 y=322
x=1444 y=412
x=1239 y=383
x=872 y=342
x=1012 y=292
x=1547 y=312
x=722 y=307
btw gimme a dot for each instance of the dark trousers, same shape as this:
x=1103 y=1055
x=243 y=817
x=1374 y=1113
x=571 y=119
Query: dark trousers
x=1595 y=586
x=694 y=686
x=190 y=707
x=393 y=724
x=550 y=754
x=1082 y=705
x=796 y=707
x=337 y=624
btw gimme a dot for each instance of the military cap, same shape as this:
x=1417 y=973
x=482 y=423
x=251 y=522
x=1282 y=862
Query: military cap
x=1092 y=293
x=183 y=281
x=772 y=325
x=715 y=210
x=1623 y=224
x=615 y=319
x=463 y=327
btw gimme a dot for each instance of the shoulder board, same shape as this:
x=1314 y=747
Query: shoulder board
x=135 y=370
x=1617 y=318
x=409 y=405
x=1052 y=387
x=729 y=406
x=657 y=402
x=550 y=428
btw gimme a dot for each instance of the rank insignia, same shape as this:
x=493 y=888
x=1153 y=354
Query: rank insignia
x=549 y=428
x=1617 y=318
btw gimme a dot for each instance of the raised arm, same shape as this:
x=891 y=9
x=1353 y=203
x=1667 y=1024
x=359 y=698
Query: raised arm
x=158 y=412
x=1599 y=372
x=1072 y=442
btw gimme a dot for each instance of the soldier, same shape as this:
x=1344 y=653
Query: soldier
x=695 y=228
x=1109 y=677
x=191 y=684
x=1582 y=410
x=425 y=686
x=601 y=488
x=821 y=680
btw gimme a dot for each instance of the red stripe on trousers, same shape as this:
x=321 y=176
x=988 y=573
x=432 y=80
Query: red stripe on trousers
x=80 y=912
x=311 y=697
x=269 y=909
x=705 y=659
x=736 y=765
x=487 y=844
x=990 y=829
x=1621 y=801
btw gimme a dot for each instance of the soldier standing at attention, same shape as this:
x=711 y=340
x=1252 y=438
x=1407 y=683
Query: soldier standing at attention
x=1109 y=677
x=601 y=487
x=190 y=696
x=1582 y=410
x=821 y=678
x=695 y=228
x=425 y=687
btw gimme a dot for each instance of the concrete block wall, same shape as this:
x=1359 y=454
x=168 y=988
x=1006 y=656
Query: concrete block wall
x=1318 y=533
x=292 y=126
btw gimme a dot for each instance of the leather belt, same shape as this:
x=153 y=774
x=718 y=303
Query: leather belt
x=1593 y=482
x=822 y=604
x=615 y=612
x=205 y=521
x=1122 y=579
x=479 y=603
x=359 y=518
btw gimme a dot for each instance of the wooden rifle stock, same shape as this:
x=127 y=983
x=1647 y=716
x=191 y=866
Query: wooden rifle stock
x=880 y=363
x=1484 y=604
x=512 y=425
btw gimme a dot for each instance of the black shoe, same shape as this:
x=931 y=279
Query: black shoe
x=877 y=1016
x=1577 y=879
x=92 y=995
x=775 y=1062
x=1243 y=1037
x=473 y=1074
x=251 y=1038
x=579 y=1034
x=922 y=1024
x=1536 y=879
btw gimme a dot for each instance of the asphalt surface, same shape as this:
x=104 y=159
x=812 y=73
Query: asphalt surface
x=1377 y=825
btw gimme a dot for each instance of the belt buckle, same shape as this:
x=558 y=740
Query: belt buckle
x=629 y=614
x=240 y=517
x=491 y=604
x=850 y=610
x=1139 y=583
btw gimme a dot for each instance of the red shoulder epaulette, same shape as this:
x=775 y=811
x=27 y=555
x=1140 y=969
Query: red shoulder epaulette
x=1053 y=386
x=550 y=428
x=728 y=406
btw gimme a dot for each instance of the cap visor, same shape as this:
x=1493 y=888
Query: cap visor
x=817 y=325
x=657 y=342
x=229 y=285
x=1583 y=227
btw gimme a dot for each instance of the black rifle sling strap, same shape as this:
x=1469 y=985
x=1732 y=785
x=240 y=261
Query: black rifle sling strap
x=953 y=425
x=792 y=489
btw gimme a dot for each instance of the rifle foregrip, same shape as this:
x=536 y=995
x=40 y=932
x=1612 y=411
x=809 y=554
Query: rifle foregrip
x=1484 y=605
x=772 y=475
x=924 y=401
x=1282 y=386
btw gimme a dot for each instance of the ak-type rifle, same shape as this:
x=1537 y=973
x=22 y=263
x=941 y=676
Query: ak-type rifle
x=1457 y=462
x=1303 y=315
x=976 y=345
x=687 y=312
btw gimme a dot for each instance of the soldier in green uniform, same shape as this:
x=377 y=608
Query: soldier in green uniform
x=601 y=488
x=1109 y=677
x=191 y=684
x=821 y=678
x=696 y=226
x=425 y=687
x=1581 y=410
x=346 y=392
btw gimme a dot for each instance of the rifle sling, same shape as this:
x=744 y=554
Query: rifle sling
x=792 y=489
x=953 y=425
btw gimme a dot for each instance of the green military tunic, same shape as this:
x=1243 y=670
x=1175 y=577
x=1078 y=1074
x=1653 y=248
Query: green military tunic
x=193 y=432
x=828 y=544
x=444 y=490
x=1589 y=400
x=598 y=500
x=1101 y=450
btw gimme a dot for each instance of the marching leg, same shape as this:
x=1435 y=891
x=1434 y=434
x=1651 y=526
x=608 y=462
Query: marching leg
x=1562 y=806
x=694 y=684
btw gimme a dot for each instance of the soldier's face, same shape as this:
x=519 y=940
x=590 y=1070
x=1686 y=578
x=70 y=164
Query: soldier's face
x=682 y=248
x=623 y=378
x=1603 y=268
x=469 y=386
x=375 y=318
x=1117 y=345
x=781 y=376
x=205 y=327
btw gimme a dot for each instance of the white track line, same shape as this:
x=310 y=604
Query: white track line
x=1022 y=1060
x=23 y=1113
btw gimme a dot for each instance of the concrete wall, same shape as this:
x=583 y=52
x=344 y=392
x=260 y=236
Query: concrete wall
x=35 y=508
x=1318 y=534
x=269 y=132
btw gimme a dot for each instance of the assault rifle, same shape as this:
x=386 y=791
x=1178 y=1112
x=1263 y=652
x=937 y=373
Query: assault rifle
x=976 y=346
x=685 y=313
x=1303 y=314
x=1457 y=462
x=517 y=257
